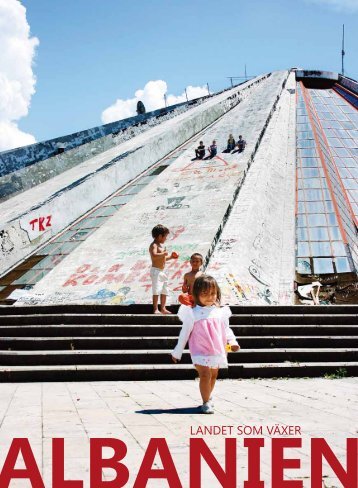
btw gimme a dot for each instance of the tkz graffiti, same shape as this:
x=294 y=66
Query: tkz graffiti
x=41 y=223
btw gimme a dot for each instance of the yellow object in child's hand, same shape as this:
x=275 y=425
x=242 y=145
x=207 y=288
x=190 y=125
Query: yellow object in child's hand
x=228 y=348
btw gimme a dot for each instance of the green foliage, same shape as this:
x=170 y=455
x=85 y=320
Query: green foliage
x=340 y=373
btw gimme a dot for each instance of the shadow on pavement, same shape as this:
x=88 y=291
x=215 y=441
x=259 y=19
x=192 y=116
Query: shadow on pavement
x=174 y=411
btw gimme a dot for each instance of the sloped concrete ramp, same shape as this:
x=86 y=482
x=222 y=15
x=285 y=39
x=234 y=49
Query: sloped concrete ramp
x=255 y=264
x=33 y=217
x=192 y=198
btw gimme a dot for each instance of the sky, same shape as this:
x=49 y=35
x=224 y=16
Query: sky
x=68 y=65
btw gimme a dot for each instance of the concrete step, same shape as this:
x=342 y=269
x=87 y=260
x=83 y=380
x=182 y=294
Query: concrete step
x=88 y=319
x=99 y=343
x=295 y=319
x=150 y=342
x=126 y=330
x=105 y=356
x=172 y=371
x=293 y=370
x=110 y=319
x=150 y=319
x=136 y=330
x=147 y=309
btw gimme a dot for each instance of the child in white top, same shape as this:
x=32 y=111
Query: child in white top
x=206 y=325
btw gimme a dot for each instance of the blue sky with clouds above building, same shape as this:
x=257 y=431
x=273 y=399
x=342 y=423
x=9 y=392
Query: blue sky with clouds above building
x=80 y=63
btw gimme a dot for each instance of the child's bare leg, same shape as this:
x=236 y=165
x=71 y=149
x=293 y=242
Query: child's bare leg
x=204 y=381
x=163 y=301
x=214 y=375
x=155 y=303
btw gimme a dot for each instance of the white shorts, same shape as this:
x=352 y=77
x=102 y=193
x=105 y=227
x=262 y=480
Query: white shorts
x=159 y=281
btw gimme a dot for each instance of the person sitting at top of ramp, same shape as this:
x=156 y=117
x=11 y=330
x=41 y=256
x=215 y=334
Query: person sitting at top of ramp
x=230 y=143
x=213 y=149
x=200 y=151
x=241 y=143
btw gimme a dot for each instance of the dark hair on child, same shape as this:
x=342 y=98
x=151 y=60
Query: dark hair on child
x=159 y=230
x=205 y=283
x=197 y=255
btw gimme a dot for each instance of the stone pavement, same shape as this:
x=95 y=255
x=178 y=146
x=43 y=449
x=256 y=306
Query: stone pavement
x=136 y=411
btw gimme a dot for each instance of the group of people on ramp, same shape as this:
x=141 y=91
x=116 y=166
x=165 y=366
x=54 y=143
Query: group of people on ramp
x=200 y=151
x=205 y=321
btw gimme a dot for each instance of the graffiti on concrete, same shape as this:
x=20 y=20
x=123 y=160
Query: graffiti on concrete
x=225 y=244
x=87 y=274
x=258 y=240
x=216 y=165
x=122 y=261
x=120 y=277
x=15 y=159
x=251 y=249
x=174 y=203
x=266 y=295
x=12 y=239
x=183 y=249
x=236 y=287
x=175 y=232
x=160 y=191
x=40 y=298
x=101 y=295
x=41 y=223
x=121 y=297
x=6 y=243
x=212 y=186
x=188 y=126
x=37 y=163
x=256 y=271
x=186 y=188
x=118 y=297
x=235 y=290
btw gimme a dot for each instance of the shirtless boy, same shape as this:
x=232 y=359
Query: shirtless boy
x=159 y=255
x=196 y=261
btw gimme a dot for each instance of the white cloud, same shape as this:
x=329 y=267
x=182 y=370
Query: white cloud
x=152 y=95
x=17 y=80
x=11 y=136
x=340 y=5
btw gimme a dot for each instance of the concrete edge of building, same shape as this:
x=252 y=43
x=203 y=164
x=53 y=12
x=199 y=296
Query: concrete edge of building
x=68 y=203
x=32 y=173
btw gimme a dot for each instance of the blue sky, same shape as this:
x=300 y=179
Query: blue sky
x=92 y=52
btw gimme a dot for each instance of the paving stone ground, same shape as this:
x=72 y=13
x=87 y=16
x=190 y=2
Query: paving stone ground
x=137 y=411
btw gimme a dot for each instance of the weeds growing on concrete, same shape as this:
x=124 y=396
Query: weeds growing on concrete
x=340 y=373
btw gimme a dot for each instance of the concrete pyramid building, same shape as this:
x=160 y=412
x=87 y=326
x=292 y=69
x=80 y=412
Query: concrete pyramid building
x=77 y=211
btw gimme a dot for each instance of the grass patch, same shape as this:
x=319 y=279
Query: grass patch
x=339 y=373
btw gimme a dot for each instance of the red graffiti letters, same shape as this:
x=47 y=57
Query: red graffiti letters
x=175 y=232
x=117 y=274
x=42 y=223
